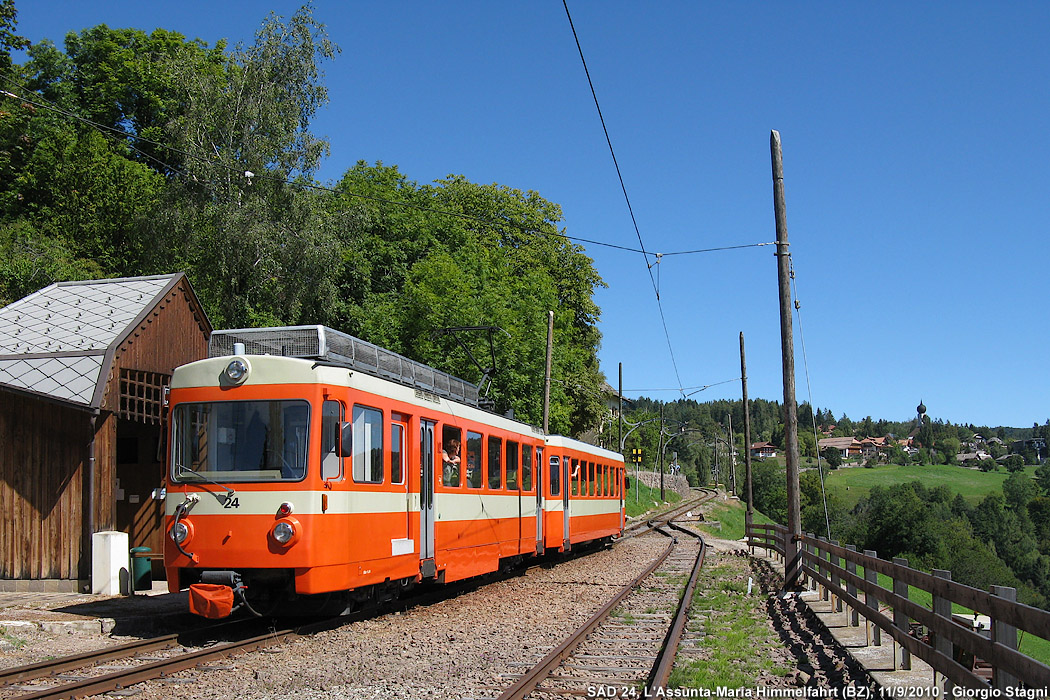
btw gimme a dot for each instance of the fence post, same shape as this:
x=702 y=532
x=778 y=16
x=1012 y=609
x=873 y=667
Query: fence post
x=821 y=568
x=1007 y=636
x=871 y=600
x=835 y=578
x=900 y=619
x=851 y=588
x=942 y=607
x=813 y=585
x=805 y=579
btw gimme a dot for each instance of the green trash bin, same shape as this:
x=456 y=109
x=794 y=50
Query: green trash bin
x=141 y=569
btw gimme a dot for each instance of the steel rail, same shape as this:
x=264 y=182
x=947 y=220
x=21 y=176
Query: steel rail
x=145 y=672
x=661 y=670
x=532 y=678
x=159 y=669
x=660 y=518
x=42 y=669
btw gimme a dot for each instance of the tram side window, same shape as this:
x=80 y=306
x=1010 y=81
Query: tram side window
x=592 y=481
x=604 y=479
x=451 y=448
x=512 y=465
x=495 y=468
x=397 y=453
x=473 y=460
x=526 y=467
x=331 y=463
x=555 y=472
x=574 y=477
x=368 y=445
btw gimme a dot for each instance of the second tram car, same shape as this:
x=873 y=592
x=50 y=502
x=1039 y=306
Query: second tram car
x=309 y=466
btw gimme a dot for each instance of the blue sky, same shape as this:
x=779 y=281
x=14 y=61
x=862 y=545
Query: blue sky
x=913 y=138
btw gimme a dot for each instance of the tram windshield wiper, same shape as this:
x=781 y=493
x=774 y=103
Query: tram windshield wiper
x=184 y=468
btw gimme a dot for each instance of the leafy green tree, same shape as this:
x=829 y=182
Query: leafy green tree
x=472 y=255
x=1014 y=463
x=812 y=500
x=256 y=243
x=1042 y=478
x=895 y=454
x=9 y=41
x=832 y=456
x=948 y=447
x=769 y=490
x=807 y=443
x=1018 y=490
x=898 y=521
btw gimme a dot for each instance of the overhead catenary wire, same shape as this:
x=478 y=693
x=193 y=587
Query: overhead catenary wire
x=696 y=389
x=809 y=388
x=623 y=186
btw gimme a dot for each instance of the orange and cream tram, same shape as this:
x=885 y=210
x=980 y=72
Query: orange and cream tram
x=309 y=466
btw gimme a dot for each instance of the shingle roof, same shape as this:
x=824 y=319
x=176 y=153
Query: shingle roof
x=54 y=342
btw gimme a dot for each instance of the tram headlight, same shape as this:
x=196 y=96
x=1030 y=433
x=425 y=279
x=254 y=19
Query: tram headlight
x=285 y=532
x=180 y=532
x=237 y=371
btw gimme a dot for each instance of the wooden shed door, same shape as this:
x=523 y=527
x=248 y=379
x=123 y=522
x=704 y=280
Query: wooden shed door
x=140 y=470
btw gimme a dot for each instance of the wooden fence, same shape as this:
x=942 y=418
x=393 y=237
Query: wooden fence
x=843 y=573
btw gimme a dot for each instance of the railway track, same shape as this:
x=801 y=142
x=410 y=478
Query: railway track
x=643 y=526
x=118 y=667
x=631 y=641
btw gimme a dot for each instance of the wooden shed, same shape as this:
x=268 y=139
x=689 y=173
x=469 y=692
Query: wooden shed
x=84 y=369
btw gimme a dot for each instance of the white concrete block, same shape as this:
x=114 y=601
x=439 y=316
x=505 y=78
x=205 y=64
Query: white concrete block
x=110 y=563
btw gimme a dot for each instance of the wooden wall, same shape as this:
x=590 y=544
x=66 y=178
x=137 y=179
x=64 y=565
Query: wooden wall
x=174 y=333
x=44 y=449
x=43 y=452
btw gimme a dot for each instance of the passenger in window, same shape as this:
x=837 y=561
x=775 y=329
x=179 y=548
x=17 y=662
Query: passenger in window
x=450 y=459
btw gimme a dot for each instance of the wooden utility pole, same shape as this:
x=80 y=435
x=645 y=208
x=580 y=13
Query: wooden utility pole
x=787 y=343
x=660 y=445
x=749 y=513
x=732 y=452
x=547 y=372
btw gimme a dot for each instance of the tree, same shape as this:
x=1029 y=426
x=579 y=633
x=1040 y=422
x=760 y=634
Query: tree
x=499 y=261
x=9 y=41
x=769 y=490
x=257 y=244
x=1042 y=478
x=1018 y=490
x=832 y=456
x=1014 y=463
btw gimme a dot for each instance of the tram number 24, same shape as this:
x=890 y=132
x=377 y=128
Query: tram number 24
x=231 y=501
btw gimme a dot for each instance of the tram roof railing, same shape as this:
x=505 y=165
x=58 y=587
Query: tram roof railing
x=329 y=345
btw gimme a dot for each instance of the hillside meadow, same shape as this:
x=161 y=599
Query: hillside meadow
x=855 y=483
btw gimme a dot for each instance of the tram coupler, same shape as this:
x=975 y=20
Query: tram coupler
x=218 y=595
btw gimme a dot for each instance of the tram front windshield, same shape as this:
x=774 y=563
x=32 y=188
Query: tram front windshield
x=240 y=441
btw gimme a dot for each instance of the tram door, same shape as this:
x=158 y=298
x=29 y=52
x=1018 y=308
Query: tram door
x=565 y=501
x=426 y=497
x=539 y=500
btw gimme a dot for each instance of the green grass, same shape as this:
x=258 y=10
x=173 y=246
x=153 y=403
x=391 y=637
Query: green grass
x=641 y=499
x=16 y=642
x=737 y=637
x=730 y=518
x=854 y=483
